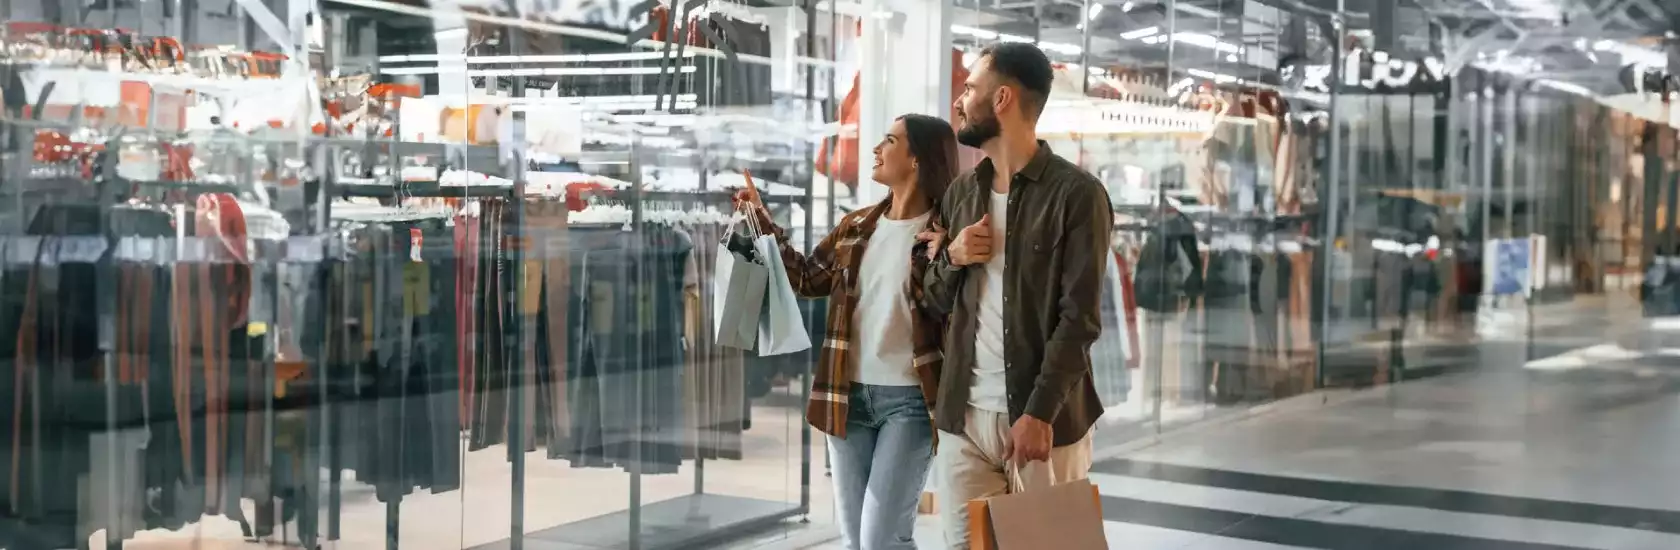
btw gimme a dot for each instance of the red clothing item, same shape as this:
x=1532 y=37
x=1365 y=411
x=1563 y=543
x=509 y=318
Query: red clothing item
x=844 y=169
x=466 y=318
x=1129 y=302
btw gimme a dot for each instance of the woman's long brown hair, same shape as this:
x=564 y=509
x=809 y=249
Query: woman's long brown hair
x=934 y=146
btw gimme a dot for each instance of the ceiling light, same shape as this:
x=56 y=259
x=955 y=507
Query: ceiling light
x=1064 y=49
x=494 y=59
x=982 y=34
x=1140 y=33
x=1127 y=7
x=1205 y=41
x=1568 y=87
x=1216 y=77
x=548 y=71
x=1091 y=15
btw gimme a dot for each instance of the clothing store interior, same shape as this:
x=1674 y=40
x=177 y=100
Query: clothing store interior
x=444 y=275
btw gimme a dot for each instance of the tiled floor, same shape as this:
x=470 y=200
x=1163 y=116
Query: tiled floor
x=1520 y=451
x=1498 y=456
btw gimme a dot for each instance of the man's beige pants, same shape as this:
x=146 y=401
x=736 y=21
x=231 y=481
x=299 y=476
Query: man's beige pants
x=971 y=466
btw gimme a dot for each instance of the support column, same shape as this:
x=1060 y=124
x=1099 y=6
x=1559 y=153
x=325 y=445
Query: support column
x=905 y=67
x=449 y=28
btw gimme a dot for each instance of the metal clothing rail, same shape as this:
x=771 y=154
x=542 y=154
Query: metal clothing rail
x=687 y=521
x=329 y=189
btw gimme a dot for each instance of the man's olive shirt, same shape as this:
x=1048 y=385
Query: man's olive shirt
x=1055 y=247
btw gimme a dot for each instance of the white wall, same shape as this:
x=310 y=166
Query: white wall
x=905 y=62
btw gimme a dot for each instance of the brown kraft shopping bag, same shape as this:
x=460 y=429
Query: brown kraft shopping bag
x=1065 y=517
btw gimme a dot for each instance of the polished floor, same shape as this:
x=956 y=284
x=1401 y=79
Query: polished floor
x=1566 y=441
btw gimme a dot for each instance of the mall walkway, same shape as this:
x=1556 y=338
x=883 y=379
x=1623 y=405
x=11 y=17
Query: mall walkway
x=1482 y=460
x=1508 y=454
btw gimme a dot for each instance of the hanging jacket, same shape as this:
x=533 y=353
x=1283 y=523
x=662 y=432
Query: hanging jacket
x=1170 y=266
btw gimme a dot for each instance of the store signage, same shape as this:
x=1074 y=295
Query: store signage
x=1372 y=71
x=1507 y=267
x=1645 y=79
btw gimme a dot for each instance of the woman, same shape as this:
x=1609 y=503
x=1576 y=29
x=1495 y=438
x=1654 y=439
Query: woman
x=875 y=382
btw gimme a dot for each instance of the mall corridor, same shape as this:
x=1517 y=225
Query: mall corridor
x=1565 y=443
x=1483 y=460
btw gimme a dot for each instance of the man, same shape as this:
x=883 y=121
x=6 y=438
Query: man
x=1021 y=282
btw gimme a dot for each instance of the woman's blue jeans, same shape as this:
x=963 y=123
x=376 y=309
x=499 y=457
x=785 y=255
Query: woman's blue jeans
x=881 y=466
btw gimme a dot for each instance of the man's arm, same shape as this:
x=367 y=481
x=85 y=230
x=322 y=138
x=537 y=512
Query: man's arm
x=940 y=277
x=1085 y=237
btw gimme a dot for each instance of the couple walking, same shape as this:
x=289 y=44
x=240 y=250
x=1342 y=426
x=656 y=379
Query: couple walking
x=961 y=312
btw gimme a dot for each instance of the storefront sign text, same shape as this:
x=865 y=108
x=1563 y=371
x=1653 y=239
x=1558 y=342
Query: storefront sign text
x=1371 y=71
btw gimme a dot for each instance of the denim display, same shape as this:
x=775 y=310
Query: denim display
x=625 y=370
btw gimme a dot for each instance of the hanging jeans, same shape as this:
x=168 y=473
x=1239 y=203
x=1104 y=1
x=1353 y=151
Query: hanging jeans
x=881 y=466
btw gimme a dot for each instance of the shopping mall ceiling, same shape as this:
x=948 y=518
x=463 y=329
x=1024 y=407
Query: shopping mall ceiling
x=1584 y=43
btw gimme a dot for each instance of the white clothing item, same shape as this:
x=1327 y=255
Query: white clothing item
x=886 y=356
x=1120 y=299
x=989 y=391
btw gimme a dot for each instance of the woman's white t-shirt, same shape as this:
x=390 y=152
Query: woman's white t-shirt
x=886 y=355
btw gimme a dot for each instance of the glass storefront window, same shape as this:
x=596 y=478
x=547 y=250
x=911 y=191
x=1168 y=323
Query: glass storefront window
x=447 y=274
x=417 y=276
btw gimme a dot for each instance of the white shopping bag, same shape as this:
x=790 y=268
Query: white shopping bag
x=781 y=330
x=738 y=289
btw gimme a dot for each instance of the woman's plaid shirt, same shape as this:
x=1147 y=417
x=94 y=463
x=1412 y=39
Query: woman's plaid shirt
x=831 y=271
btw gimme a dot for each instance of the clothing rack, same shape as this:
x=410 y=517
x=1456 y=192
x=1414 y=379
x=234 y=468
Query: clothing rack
x=107 y=189
x=687 y=521
x=331 y=188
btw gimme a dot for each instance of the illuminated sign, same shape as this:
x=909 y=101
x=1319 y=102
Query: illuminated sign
x=1644 y=79
x=1371 y=71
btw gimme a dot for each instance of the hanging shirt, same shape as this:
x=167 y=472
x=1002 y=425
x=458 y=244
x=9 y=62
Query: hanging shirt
x=989 y=391
x=886 y=356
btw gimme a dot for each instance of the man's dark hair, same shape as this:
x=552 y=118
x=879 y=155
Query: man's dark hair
x=1027 y=66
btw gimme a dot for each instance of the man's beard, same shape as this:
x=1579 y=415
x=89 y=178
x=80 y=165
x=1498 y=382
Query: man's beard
x=978 y=131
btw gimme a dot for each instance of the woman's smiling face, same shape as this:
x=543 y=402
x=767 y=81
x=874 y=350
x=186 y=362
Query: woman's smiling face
x=893 y=164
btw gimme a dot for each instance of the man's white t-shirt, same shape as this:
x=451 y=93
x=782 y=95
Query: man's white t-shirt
x=886 y=356
x=989 y=391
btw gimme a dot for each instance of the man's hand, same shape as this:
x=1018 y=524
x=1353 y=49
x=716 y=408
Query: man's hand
x=974 y=244
x=935 y=237
x=1030 y=440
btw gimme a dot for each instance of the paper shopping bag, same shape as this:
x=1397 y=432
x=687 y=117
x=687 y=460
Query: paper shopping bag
x=782 y=329
x=738 y=298
x=1066 y=517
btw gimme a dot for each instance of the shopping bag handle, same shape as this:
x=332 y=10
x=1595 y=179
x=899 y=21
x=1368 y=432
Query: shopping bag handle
x=748 y=212
x=751 y=220
x=1016 y=484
